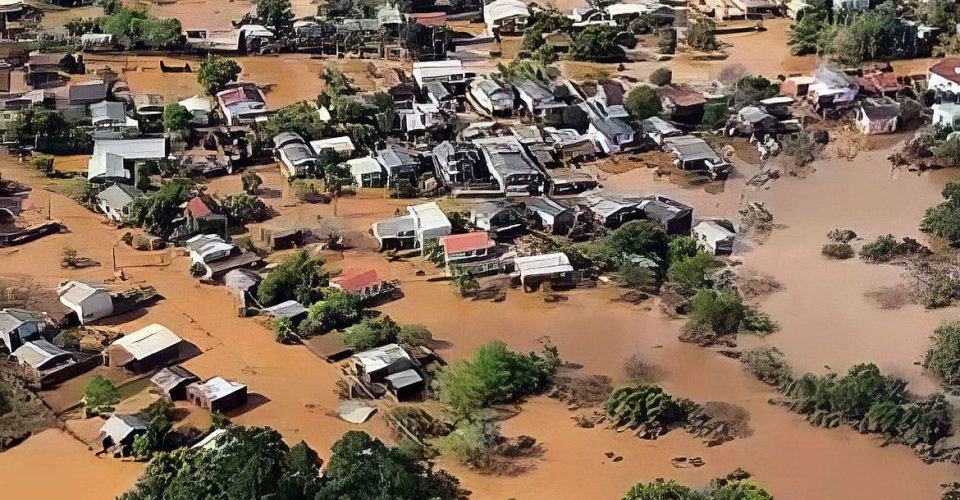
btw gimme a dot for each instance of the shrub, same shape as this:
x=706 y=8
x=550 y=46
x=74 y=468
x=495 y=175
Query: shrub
x=943 y=357
x=495 y=375
x=943 y=220
x=336 y=310
x=647 y=408
x=641 y=238
x=642 y=103
x=43 y=163
x=299 y=277
x=370 y=333
x=702 y=35
x=472 y=442
x=99 y=395
x=215 y=72
x=722 y=311
x=839 y=251
x=661 y=77
x=886 y=248
x=637 y=370
x=414 y=335
x=682 y=247
x=667 y=40
x=284 y=332
x=176 y=117
x=767 y=364
x=842 y=235
x=693 y=273
x=758 y=321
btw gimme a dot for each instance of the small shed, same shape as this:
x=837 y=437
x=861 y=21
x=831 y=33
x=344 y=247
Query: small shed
x=115 y=201
x=89 y=301
x=550 y=216
x=376 y=364
x=17 y=326
x=173 y=381
x=714 y=237
x=44 y=360
x=217 y=394
x=289 y=309
x=143 y=350
x=119 y=431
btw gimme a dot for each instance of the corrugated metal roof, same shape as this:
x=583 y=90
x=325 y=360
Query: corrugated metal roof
x=148 y=340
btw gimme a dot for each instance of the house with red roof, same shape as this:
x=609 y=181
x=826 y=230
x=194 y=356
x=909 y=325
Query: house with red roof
x=470 y=253
x=945 y=75
x=363 y=282
x=202 y=216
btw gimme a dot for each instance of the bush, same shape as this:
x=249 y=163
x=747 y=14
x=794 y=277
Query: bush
x=414 y=335
x=371 y=333
x=693 y=273
x=721 y=311
x=841 y=235
x=839 y=251
x=758 y=321
x=648 y=409
x=299 y=277
x=681 y=248
x=637 y=370
x=943 y=220
x=99 y=395
x=702 y=36
x=667 y=40
x=661 y=77
x=642 y=103
x=597 y=43
x=43 y=163
x=943 y=357
x=284 y=331
x=640 y=238
x=767 y=364
x=886 y=248
x=176 y=117
x=495 y=375
x=336 y=310
x=472 y=442
x=215 y=72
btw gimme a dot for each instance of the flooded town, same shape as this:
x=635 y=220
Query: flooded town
x=488 y=249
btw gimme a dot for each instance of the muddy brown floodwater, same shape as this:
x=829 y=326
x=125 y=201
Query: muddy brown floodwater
x=824 y=319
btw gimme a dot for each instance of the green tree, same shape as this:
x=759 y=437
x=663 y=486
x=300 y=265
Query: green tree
x=336 y=310
x=243 y=208
x=721 y=311
x=642 y=103
x=662 y=490
x=495 y=375
x=637 y=238
x=682 y=247
x=99 y=395
x=693 y=273
x=301 y=118
x=43 y=163
x=702 y=35
x=371 y=333
x=37 y=124
x=276 y=15
x=544 y=21
x=142 y=175
x=804 y=36
x=597 y=43
x=158 y=211
x=943 y=220
x=299 y=277
x=337 y=176
x=215 y=72
x=414 y=335
x=943 y=357
x=176 y=118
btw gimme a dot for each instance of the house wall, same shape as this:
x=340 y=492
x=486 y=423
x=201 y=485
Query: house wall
x=96 y=306
x=937 y=82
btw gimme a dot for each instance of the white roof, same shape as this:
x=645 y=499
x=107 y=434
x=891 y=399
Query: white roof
x=543 y=264
x=148 y=340
x=214 y=248
x=504 y=9
x=773 y=101
x=38 y=352
x=365 y=165
x=338 y=144
x=76 y=292
x=209 y=442
x=712 y=230
x=429 y=70
x=198 y=103
x=429 y=216
x=120 y=426
x=218 y=388
x=144 y=148
x=382 y=357
x=619 y=9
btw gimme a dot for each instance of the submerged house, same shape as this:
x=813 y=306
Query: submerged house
x=491 y=97
x=714 y=237
x=682 y=105
x=944 y=76
x=367 y=172
x=878 y=116
x=610 y=211
x=506 y=17
x=832 y=88
x=110 y=120
x=549 y=216
x=148 y=348
x=202 y=214
x=459 y=164
x=117 y=158
x=45 y=362
x=694 y=153
x=469 y=253
x=510 y=165
x=659 y=130
x=88 y=300
x=422 y=223
x=400 y=162
x=365 y=283
x=217 y=394
x=672 y=216
x=119 y=431
x=242 y=104
x=17 y=326
x=391 y=366
x=342 y=145
x=534 y=270
x=297 y=158
x=173 y=381
x=498 y=216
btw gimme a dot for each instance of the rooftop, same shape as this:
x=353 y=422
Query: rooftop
x=457 y=243
x=147 y=341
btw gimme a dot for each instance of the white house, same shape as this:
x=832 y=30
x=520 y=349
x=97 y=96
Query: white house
x=89 y=300
x=112 y=157
x=244 y=103
x=946 y=113
x=342 y=145
x=450 y=70
x=878 y=116
x=945 y=75
x=422 y=223
x=535 y=269
x=115 y=201
x=714 y=237
x=491 y=97
x=367 y=172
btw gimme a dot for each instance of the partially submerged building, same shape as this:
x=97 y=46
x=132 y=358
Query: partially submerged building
x=45 y=362
x=878 y=116
x=491 y=97
x=217 y=394
x=119 y=431
x=422 y=223
x=173 y=381
x=297 y=158
x=469 y=253
x=116 y=200
x=714 y=237
x=117 y=159
x=672 y=216
x=510 y=165
x=391 y=366
x=535 y=270
x=89 y=301
x=18 y=326
x=694 y=153
x=498 y=216
x=367 y=172
x=242 y=104
x=148 y=348
x=550 y=216
x=506 y=17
